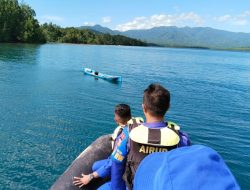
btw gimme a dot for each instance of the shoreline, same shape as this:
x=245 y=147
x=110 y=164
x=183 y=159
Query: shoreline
x=247 y=50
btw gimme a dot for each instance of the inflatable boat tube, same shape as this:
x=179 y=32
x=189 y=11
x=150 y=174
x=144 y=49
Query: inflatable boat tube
x=98 y=150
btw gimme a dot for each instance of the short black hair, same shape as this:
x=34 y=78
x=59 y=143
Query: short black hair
x=156 y=99
x=123 y=111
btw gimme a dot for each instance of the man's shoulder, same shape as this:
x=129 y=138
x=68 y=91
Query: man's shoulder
x=135 y=120
x=125 y=130
x=184 y=139
x=120 y=152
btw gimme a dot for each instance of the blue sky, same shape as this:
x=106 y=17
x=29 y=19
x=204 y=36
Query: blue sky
x=232 y=15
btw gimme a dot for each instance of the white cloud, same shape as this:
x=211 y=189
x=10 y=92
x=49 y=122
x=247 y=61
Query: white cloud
x=50 y=18
x=240 y=22
x=106 y=19
x=88 y=24
x=240 y=19
x=223 y=18
x=183 y=19
x=245 y=14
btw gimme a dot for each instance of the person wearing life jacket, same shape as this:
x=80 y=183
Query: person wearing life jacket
x=118 y=130
x=196 y=167
x=103 y=168
x=156 y=135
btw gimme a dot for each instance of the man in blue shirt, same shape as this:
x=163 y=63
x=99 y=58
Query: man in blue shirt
x=196 y=167
x=141 y=139
x=107 y=168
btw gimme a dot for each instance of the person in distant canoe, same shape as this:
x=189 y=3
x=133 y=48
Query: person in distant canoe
x=107 y=168
x=156 y=135
x=96 y=73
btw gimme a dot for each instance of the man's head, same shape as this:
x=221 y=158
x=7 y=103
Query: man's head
x=156 y=100
x=122 y=114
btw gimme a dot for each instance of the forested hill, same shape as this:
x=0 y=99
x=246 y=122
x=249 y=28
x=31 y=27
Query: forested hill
x=54 y=33
x=202 y=37
x=18 y=24
x=197 y=37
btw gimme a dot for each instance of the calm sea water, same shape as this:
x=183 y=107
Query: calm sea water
x=50 y=111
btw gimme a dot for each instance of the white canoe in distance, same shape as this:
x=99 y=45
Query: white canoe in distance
x=97 y=74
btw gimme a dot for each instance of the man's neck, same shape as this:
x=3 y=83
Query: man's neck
x=151 y=119
x=122 y=123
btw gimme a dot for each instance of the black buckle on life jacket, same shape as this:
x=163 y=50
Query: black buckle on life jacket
x=172 y=127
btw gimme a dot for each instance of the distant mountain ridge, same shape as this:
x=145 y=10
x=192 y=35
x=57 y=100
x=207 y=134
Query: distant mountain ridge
x=172 y=36
x=100 y=29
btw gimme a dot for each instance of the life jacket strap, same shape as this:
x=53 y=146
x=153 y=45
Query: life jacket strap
x=154 y=136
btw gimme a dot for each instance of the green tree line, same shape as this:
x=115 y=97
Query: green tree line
x=54 y=33
x=18 y=24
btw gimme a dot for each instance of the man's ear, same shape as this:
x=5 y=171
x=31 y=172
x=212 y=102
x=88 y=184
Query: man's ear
x=144 y=108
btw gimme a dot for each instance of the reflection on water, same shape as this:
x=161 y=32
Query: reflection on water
x=19 y=53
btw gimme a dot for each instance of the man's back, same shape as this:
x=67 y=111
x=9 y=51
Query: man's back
x=147 y=138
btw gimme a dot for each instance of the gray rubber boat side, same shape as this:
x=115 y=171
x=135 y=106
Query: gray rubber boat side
x=98 y=150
